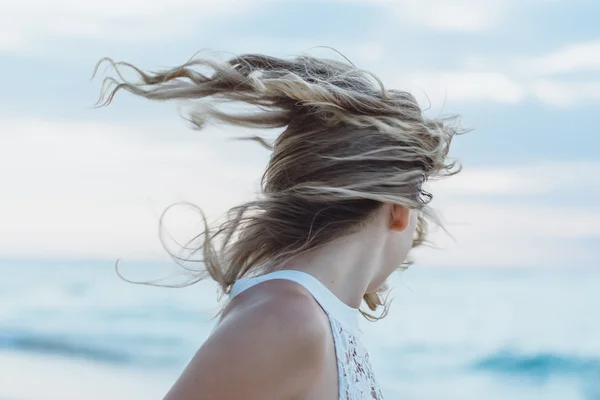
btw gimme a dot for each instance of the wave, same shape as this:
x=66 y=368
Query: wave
x=85 y=348
x=539 y=365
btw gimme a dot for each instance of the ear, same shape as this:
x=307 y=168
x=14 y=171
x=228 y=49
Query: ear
x=399 y=218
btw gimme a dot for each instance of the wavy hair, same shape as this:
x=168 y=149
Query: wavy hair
x=348 y=145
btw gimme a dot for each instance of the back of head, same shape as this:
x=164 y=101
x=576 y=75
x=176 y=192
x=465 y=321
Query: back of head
x=348 y=146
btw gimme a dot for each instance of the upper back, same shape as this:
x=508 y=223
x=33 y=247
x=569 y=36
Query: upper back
x=282 y=336
x=271 y=343
x=352 y=368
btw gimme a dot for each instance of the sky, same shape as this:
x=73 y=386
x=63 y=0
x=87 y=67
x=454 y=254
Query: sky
x=79 y=182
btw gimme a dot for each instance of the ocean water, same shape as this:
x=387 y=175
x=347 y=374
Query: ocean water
x=73 y=329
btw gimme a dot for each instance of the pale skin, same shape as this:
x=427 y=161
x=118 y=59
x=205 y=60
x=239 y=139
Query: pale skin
x=274 y=342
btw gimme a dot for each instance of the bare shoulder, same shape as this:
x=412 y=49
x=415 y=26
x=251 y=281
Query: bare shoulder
x=278 y=303
x=270 y=344
x=282 y=315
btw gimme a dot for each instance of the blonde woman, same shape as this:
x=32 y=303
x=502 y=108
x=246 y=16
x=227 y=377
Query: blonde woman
x=342 y=203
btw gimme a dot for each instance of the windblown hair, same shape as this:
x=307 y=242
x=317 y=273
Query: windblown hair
x=348 y=146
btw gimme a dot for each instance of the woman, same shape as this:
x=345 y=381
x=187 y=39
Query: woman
x=342 y=204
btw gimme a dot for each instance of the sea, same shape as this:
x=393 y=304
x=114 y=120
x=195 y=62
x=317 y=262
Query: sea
x=75 y=330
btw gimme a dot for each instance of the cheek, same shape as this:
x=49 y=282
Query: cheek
x=399 y=245
x=405 y=239
x=414 y=220
x=398 y=249
x=403 y=248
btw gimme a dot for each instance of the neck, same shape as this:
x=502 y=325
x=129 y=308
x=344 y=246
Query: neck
x=346 y=266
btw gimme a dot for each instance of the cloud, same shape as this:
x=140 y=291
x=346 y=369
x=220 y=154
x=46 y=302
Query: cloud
x=564 y=94
x=512 y=216
x=448 y=15
x=560 y=78
x=27 y=23
x=461 y=86
x=78 y=189
x=576 y=57
x=469 y=86
x=88 y=189
x=452 y=15
x=523 y=180
x=483 y=233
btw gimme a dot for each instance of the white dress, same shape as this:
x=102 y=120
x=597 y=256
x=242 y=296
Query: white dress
x=355 y=376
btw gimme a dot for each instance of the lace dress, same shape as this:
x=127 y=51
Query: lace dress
x=355 y=375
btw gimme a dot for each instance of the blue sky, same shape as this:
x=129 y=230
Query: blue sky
x=85 y=183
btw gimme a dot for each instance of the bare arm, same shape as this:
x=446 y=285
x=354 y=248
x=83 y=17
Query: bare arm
x=271 y=350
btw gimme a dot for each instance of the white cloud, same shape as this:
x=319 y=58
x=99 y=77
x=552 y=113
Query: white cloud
x=508 y=81
x=507 y=216
x=577 y=57
x=522 y=221
x=492 y=233
x=452 y=15
x=458 y=86
x=513 y=79
x=25 y=22
x=96 y=190
x=448 y=15
x=523 y=180
x=468 y=86
x=487 y=233
x=563 y=94
x=80 y=189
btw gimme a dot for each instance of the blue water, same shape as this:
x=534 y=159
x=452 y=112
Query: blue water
x=451 y=334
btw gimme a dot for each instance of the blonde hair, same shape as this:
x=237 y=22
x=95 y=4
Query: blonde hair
x=348 y=146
